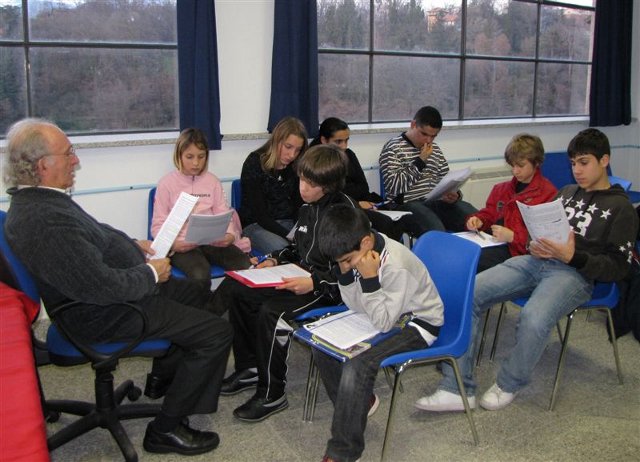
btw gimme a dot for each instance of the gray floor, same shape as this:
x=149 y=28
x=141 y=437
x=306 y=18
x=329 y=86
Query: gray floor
x=595 y=417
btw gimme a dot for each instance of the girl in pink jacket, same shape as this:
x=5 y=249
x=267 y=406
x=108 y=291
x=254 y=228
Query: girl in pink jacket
x=191 y=158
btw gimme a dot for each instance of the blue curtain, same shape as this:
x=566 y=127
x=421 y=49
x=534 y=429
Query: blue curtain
x=199 y=92
x=294 y=72
x=610 y=99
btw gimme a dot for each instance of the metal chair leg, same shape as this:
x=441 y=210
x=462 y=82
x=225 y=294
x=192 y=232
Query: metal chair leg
x=392 y=405
x=563 y=351
x=311 y=393
x=483 y=338
x=614 y=344
x=465 y=401
x=496 y=336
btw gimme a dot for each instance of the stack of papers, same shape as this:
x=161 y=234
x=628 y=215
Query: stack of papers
x=547 y=220
x=481 y=238
x=345 y=335
x=449 y=183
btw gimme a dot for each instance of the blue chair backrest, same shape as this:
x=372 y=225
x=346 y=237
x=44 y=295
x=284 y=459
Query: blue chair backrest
x=557 y=169
x=236 y=194
x=626 y=184
x=24 y=280
x=383 y=192
x=452 y=263
x=152 y=198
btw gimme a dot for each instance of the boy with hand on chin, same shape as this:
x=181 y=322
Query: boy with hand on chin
x=384 y=279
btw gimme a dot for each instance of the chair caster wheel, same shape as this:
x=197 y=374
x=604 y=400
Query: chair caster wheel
x=134 y=393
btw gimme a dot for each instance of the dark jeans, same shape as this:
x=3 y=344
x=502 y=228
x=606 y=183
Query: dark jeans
x=196 y=263
x=492 y=256
x=181 y=312
x=261 y=330
x=438 y=215
x=350 y=386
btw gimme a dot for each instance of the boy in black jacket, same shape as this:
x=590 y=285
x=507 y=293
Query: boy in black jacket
x=556 y=277
x=260 y=316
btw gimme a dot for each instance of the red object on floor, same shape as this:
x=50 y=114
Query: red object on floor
x=22 y=426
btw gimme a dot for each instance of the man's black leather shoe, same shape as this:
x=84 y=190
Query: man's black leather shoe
x=156 y=386
x=183 y=440
x=258 y=408
x=239 y=381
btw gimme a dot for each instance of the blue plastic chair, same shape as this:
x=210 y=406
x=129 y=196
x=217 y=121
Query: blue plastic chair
x=236 y=194
x=216 y=271
x=603 y=298
x=313 y=374
x=65 y=349
x=452 y=263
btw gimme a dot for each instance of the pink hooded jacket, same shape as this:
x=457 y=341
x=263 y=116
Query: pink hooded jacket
x=211 y=201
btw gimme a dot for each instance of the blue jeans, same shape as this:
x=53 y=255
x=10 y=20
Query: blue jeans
x=554 y=290
x=266 y=241
x=437 y=215
x=350 y=386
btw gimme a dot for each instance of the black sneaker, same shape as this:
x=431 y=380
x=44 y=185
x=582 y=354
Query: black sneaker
x=258 y=408
x=239 y=381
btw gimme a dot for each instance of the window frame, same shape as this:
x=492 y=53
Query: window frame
x=463 y=56
x=26 y=44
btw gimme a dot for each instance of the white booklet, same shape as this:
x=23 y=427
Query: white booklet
x=205 y=229
x=547 y=220
x=449 y=183
x=344 y=329
x=481 y=238
x=173 y=224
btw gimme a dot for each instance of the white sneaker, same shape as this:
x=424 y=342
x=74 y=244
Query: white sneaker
x=444 y=401
x=496 y=398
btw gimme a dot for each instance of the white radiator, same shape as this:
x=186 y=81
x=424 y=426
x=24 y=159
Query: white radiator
x=477 y=188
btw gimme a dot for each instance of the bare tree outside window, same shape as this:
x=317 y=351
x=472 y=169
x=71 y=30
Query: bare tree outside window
x=94 y=66
x=473 y=59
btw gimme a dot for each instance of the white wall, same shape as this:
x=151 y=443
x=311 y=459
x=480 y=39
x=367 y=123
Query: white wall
x=245 y=32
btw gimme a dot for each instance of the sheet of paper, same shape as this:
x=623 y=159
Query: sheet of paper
x=450 y=182
x=205 y=229
x=344 y=329
x=547 y=220
x=395 y=215
x=270 y=275
x=481 y=238
x=173 y=224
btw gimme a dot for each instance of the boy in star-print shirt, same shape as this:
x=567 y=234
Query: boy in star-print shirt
x=556 y=277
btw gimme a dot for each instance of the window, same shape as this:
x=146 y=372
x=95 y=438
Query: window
x=381 y=60
x=91 y=66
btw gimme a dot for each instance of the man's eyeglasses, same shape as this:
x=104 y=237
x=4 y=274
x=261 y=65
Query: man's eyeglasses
x=71 y=152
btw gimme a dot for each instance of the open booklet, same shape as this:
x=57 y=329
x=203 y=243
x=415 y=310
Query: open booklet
x=345 y=335
x=547 y=220
x=173 y=224
x=449 y=183
x=205 y=229
x=481 y=238
x=269 y=276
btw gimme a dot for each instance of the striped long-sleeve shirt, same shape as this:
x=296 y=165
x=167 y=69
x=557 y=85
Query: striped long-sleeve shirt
x=404 y=173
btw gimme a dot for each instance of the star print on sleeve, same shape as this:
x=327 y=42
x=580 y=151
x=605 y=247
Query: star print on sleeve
x=627 y=249
x=605 y=214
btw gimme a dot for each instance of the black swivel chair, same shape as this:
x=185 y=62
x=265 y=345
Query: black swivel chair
x=65 y=349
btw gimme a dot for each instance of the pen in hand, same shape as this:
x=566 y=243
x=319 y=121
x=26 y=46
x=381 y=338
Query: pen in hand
x=479 y=234
x=261 y=258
